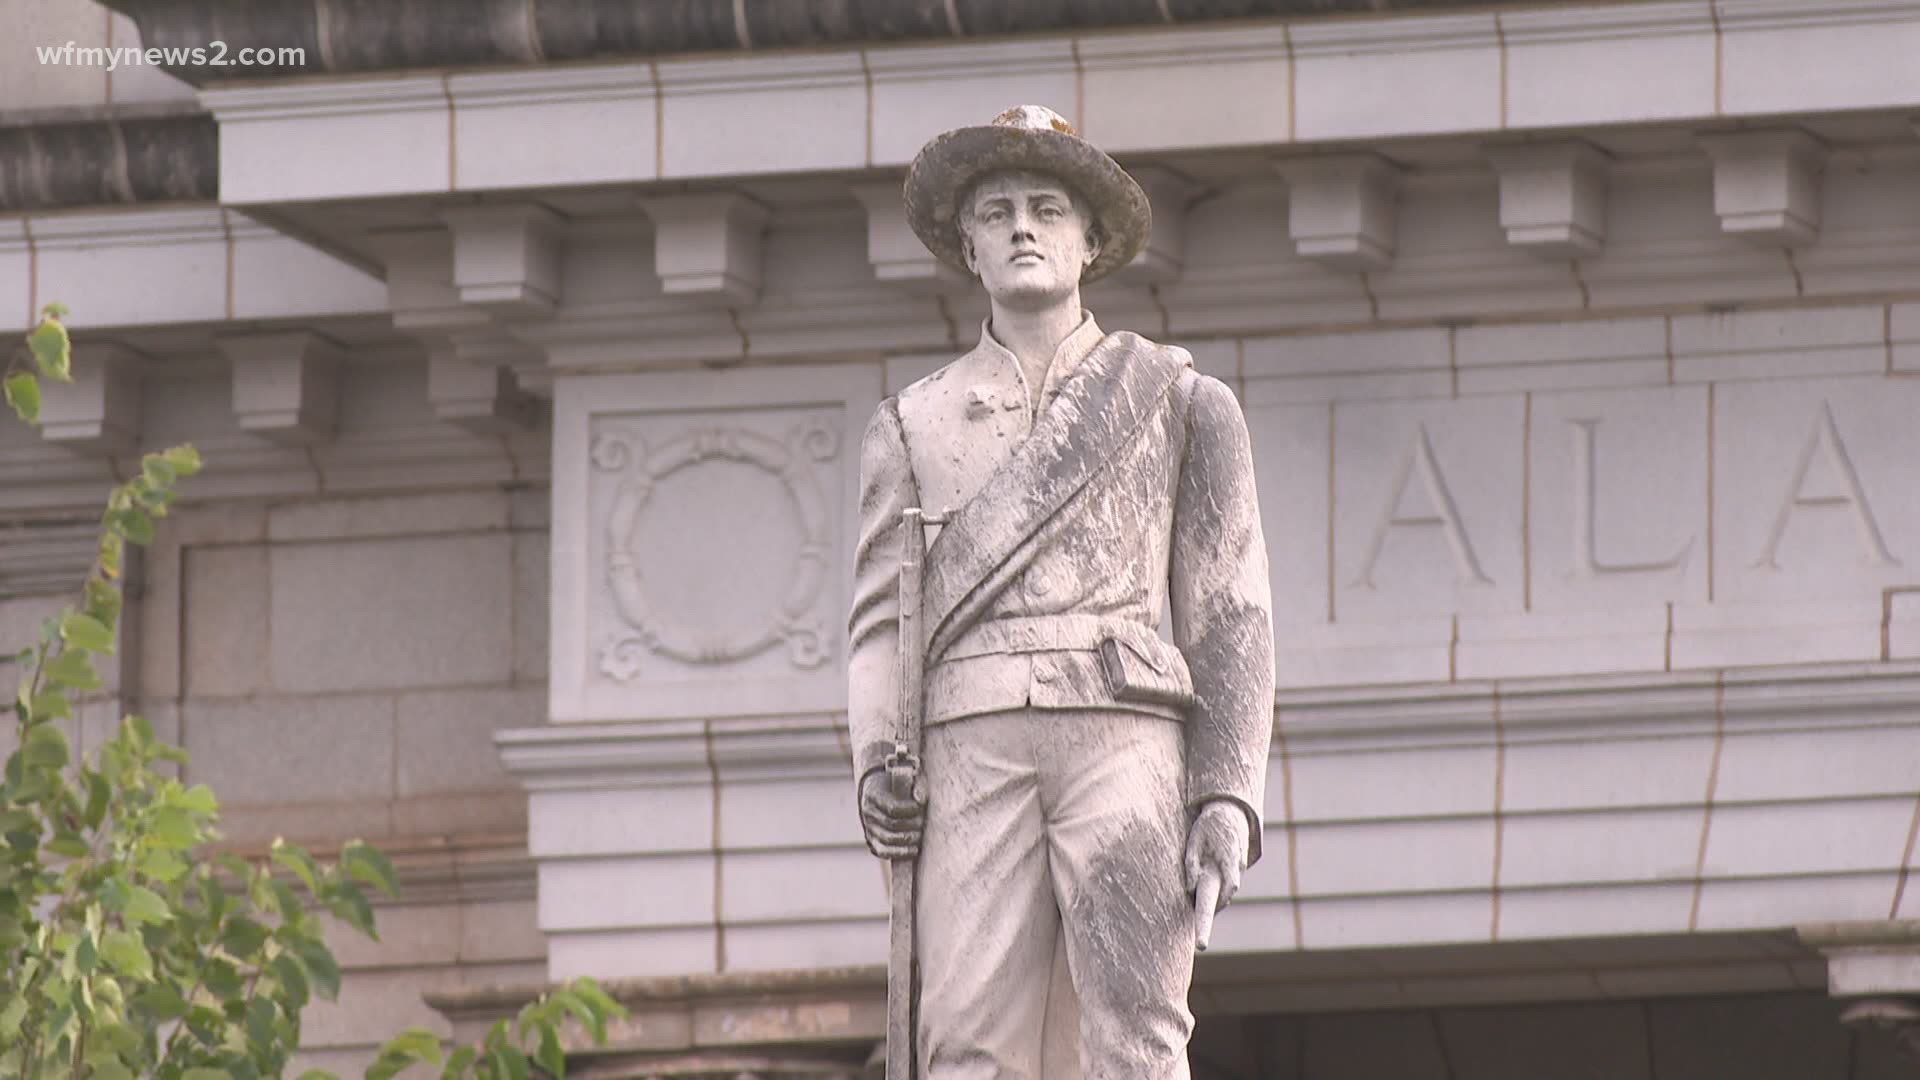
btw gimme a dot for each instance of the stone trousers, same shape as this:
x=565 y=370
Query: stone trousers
x=1054 y=832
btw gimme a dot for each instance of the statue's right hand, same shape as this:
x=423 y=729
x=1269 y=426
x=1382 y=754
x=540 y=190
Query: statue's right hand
x=893 y=811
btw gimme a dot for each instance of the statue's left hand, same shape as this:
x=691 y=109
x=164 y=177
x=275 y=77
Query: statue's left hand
x=1217 y=845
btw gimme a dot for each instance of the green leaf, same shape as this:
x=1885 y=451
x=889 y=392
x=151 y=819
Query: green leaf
x=112 y=548
x=73 y=670
x=184 y=459
x=411 y=1046
x=460 y=1061
x=295 y=859
x=52 y=705
x=144 y=906
x=286 y=969
x=99 y=796
x=69 y=844
x=550 y=1057
x=173 y=828
x=206 y=1074
x=323 y=971
x=52 y=349
x=317 y=1074
x=132 y=525
x=163 y=865
x=158 y=472
x=102 y=601
x=366 y=863
x=107 y=1069
x=124 y=953
x=243 y=937
x=199 y=798
x=164 y=1002
x=85 y=632
x=351 y=906
x=12 y=1015
x=22 y=392
x=46 y=747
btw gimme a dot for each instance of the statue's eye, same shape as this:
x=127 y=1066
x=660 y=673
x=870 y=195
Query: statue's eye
x=1050 y=213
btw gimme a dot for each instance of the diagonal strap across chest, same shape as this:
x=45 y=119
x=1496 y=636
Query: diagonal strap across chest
x=1099 y=411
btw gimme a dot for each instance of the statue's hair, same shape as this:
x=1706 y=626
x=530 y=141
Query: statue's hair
x=963 y=208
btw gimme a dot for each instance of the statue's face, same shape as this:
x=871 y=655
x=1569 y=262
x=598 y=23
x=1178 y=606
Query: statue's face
x=1027 y=238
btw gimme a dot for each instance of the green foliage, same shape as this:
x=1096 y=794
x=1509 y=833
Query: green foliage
x=511 y=1048
x=126 y=949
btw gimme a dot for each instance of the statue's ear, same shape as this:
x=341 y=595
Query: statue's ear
x=966 y=252
x=1096 y=242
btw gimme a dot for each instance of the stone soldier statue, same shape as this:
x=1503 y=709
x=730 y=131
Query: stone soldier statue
x=1081 y=774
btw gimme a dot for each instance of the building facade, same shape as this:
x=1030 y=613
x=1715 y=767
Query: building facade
x=529 y=347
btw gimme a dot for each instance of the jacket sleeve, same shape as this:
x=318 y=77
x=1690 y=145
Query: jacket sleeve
x=873 y=652
x=1222 y=606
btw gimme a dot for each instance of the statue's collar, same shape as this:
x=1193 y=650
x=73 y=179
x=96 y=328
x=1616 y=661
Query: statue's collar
x=1066 y=356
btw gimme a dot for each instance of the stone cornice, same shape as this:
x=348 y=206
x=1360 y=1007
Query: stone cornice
x=341 y=39
x=96 y=161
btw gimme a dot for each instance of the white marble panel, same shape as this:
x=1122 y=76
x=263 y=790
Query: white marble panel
x=1546 y=645
x=552 y=126
x=283 y=143
x=1292 y=461
x=135 y=267
x=1203 y=87
x=669 y=818
x=632 y=954
x=1399 y=857
x=1594 y=848
x=1728 y=635
x=639 y=892
x=1408 y=76
x=1412 y=784
x=804 y=884
x=1809 y=490
x=1427 y=508
x=919 y=91
x=1779 y=344
x=16 y=277
x=1781 y=56
x=810 y=812
x=702 y=530
x=1791 y=839
x=1361 y=921
x=1253 y=924
x=1846 y=763
x=807 y=945
x=1777 y=903
x=1619 y=494
x=763 y=113
x=1530 y=914
x=1410 y=650
x=1609 y=64
x=1585 y=775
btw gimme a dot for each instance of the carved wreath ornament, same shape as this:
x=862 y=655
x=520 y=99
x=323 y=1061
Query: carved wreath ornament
x=792 y=462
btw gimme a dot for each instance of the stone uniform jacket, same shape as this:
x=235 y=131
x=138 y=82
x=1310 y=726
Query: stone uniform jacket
x=1171 y=520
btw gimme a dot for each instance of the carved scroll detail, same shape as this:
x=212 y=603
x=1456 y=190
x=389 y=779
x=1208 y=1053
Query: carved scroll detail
x=792 y=461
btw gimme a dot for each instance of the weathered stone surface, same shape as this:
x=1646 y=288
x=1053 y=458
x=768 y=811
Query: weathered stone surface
x=425 y=612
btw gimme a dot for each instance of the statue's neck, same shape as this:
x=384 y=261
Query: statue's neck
x=1034 y=336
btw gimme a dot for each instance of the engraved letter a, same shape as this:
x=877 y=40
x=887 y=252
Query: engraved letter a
x=1825 y=437
x=1444 y=515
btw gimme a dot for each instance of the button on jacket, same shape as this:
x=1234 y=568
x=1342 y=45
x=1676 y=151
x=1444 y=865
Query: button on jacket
x=1175 y=524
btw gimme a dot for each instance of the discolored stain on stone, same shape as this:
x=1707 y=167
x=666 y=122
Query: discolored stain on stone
x=108 y=161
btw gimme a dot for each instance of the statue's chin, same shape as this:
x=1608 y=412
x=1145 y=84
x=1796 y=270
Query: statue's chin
x=1029 y=295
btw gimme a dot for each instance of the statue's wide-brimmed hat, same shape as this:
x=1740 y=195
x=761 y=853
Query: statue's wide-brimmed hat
x=1029 y=138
